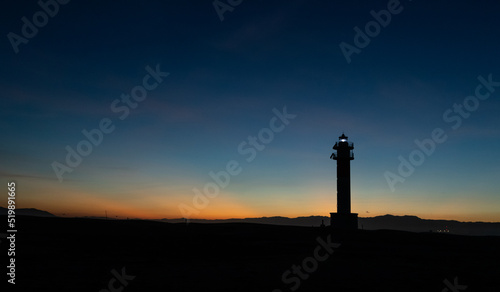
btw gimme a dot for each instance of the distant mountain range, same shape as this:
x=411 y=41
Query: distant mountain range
x=404 y=223
x=27 y=212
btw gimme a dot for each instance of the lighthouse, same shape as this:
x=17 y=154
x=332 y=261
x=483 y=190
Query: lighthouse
x=343 y=219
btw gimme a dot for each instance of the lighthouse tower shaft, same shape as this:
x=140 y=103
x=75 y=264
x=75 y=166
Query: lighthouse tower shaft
x=343 y=157
x=343 y=219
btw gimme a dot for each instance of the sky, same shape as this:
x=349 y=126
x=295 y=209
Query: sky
x=229 y=109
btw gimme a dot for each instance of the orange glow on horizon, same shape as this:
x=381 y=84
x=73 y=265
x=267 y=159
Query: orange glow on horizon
x=69 y=201
x=228 y=210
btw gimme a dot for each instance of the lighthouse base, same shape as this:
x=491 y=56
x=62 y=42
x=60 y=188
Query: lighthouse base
x=348 y=221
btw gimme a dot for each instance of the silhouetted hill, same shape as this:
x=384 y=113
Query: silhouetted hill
x=89 y=254
x=27 y=212
x=391 y=222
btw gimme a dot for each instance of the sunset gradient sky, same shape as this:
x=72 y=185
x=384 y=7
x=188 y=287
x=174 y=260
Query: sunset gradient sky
x=225 y=78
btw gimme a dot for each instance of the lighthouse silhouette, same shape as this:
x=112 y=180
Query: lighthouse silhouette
x=343 y=219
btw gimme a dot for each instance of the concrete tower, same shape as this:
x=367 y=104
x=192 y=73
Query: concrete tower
x=343 y=219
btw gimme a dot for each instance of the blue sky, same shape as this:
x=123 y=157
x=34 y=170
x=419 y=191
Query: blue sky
x=225 y=78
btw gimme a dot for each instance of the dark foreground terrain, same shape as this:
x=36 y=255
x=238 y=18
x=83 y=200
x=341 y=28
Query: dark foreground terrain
x=61 y=254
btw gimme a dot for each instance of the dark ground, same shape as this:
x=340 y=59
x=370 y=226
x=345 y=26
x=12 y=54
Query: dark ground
x=61 y=254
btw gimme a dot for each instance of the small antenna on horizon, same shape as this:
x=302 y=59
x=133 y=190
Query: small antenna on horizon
x=106 y=212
